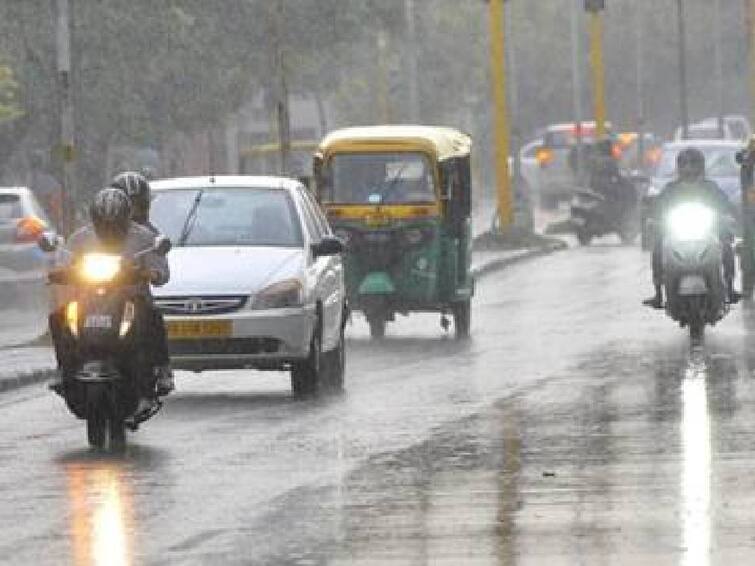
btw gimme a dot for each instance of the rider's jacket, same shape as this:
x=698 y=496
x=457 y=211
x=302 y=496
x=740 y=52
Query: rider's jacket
x=703 y=191
x=137 y=240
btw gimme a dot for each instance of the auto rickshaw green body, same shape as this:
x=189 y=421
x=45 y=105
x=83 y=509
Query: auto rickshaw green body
x=404 y=254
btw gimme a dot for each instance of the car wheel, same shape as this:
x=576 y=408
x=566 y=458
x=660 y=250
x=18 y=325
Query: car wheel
x=335 y=365
x=306 y=374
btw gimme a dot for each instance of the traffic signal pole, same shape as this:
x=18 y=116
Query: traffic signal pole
x=596 y=62
x=500 y=113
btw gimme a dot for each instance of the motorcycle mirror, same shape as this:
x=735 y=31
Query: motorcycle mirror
x=163 y=245
x=48 y=242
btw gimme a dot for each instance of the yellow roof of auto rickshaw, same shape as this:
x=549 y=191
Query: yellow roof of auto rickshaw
x=443 y=142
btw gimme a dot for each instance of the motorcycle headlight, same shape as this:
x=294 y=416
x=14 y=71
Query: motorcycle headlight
x=129 y=312
x=99 y=268
x=287 y=293
x=72 y=317
x=690 y=221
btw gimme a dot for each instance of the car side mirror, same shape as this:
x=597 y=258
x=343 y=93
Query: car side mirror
x=163 y=245
x=48 y=242
x=329 y=245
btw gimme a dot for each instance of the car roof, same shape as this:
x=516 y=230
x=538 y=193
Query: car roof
x=15 y=190
x=680 y=144
x=564 y=126
x=444 y=142
x=226 y=181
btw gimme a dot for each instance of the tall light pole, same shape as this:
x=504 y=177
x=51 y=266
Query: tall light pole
x=576 y=71
x=683 y=111
x=65 y=96
x=751 y=35
x=500 y=113
x=595 y=7
x=719 y=66
x=411 y=29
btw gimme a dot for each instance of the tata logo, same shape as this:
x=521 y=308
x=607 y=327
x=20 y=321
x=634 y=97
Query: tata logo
x=194 y=305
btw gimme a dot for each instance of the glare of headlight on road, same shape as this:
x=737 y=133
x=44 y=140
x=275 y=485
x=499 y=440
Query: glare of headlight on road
x=696 y=470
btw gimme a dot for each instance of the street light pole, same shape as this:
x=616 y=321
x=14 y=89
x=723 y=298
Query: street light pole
x=684 y=115
x=595 y=7
x=67 y=131
x=500 y=113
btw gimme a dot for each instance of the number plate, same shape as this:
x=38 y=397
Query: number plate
x=104 y=321
x=188 y=329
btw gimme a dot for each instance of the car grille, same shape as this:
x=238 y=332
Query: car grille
x=220 y=346
x=201 y=305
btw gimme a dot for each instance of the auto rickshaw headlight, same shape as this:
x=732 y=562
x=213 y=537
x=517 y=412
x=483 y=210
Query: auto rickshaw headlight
x=99 y=268
x=72 y=317
x=129 y=313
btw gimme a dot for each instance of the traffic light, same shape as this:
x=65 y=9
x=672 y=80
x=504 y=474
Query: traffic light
x=595 y=5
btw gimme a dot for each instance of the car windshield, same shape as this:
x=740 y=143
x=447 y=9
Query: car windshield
x=719 y=162
x=227 y=217
x=380 y=178
x=10 y=207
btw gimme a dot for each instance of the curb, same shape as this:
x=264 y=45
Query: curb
x=498 y=264
x=25 y=378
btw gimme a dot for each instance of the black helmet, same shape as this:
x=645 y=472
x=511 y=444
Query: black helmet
x=110 y=212
x=690 y=163
x=136 y=186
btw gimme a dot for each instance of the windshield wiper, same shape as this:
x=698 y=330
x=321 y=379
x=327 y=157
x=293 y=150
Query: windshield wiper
x=191 y=219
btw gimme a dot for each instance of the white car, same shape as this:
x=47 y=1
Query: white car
x=256 y=278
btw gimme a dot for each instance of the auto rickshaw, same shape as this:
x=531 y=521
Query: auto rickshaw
x=400 y=197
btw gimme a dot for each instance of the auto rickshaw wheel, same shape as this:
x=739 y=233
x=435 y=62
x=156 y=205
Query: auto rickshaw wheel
x=462 y=312
x=377 y=326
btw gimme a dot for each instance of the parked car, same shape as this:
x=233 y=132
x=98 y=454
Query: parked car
x=256 y=279
x=22 y=221
x=720 y=166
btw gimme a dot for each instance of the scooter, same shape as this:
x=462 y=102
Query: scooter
x=592 y=216
x=693 y=276
x=104 y=324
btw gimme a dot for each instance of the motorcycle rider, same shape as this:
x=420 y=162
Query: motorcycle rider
x=606 y=180
x=136 y=186
x=691 y=185
x=111 y=230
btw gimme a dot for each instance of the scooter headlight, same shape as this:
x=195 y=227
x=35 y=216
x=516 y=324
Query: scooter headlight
x=690 y=221
x=129 y=312
x=99 y=268
x=72 y=317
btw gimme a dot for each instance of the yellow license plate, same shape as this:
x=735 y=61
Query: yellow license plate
x=188 y=329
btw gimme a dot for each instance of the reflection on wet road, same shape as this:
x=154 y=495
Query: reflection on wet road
x=575 y=427
x=101 y=515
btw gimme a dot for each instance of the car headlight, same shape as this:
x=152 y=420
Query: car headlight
x=286 y=293
x=99 y=268
x=72 y=317
x=690 y=221
x=129 y=313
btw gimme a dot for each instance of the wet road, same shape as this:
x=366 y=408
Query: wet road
x=574 y=428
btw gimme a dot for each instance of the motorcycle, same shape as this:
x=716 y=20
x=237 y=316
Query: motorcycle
x=591 y=215
x=105 y=324
x=693 y=275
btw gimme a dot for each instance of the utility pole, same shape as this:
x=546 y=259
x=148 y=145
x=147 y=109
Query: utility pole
x=411 y=29
x=640 y=77
x=595 y=7
x=513 y=93
x=281 y=103
x=719 y=66
x=500 y=113
x=684 y=113
x=751 y=35
x=67 y=132
x=576 y=71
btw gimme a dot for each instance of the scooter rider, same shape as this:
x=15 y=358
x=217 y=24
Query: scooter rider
x=136 y=186
x=111 y=229
x=691 y=184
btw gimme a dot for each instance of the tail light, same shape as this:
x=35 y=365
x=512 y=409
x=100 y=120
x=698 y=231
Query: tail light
x=29 y=229
x=617 y=151
x=544 y=156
